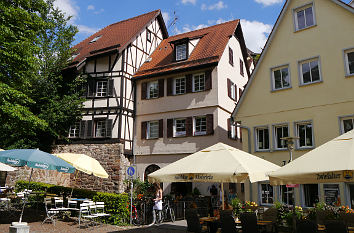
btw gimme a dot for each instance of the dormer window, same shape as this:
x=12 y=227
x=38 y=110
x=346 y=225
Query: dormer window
x=148 y=35
x=181 y=52
x=95 y=39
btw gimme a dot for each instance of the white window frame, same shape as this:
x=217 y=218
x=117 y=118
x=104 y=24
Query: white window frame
x=346 y=61
x=74 y=131
x=101 y=88
x=180 y=53
x=148 y=35
x=155 y=93
x=301 y=76
x=297 y=143
x=152 y=127
x=341 y=122
x=233 y=132
x=179 y=133
x=195 y=126
x=179 y=92
x=272 y=70
x=260 y=194
x=256 y=129
x=233 y=91
x=303 y=8
x=100 y=126
x=199 y=77
x=275 y=140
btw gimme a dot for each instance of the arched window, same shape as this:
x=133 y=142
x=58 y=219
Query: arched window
x=150 y=169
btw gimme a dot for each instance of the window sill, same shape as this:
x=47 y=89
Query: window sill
x=305 y=148
x=305 y=28
x=200 y=134
x=281 y=89
x=280 y=149
x=258 y=150
x=152 y=98
x=349 y=75
x=307 y=84
x=152 y=138
x=180 y=136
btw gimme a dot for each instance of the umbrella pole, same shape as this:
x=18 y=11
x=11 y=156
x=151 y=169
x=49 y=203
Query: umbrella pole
x=75 y=177
x=222 y=198
x=26 y=197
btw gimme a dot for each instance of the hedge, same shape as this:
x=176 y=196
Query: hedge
x=115 y=204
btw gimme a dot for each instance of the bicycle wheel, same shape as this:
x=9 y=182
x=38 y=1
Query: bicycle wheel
x=172 y=215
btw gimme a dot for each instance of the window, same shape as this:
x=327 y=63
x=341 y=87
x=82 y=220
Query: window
x=280 y=131
x=231 y=57
x=304 y=132
x=310 y=194
x=100 y=129
x=280 y=78
x=153 y=90
x=148 y=35
x=241 y=68
x=233 y=91
x=180 y=86
x=95 y=39
x=101 y=88
x=179 y=127
x=200 y=125
x=152 y=129
x=304 y=17
x=74 y=130
x=262 y=139
x=347 y=124
x=331 y=194
x=233 y=132
x=349 y=61
x=198 y=82
x=267 y=194
x=181 y=52
x=310 y=71
x=287 y=195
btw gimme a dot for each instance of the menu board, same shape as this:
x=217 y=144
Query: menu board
x=331 y=193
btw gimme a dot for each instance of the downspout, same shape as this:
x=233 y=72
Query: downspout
x=249 y=145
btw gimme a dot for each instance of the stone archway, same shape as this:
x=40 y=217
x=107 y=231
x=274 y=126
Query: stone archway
x=150 y=169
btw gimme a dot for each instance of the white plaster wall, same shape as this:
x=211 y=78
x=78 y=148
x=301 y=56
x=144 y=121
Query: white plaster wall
x=191 y=45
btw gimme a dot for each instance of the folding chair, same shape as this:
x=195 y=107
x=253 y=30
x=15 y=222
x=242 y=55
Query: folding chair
x=100 y=213
x=85 y=214
x=50 y=212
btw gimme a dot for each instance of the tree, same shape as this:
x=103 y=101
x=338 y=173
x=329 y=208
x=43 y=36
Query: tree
x=37 y=104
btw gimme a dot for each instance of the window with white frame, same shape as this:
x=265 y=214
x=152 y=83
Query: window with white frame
x=262 y=139
x=233 y=91
x=310 y=71
x=179 y=127
x=180 y=85
x=200 y=125
x=100 y=129
x=310 y=194
x=152 y=90
x=74 y=130
x=101 y=88
x=148 y=35
x=304 y=132
x=347 y=124
x=280 y=131
x=181 y=52
x=304 y=17
x=233 y=133
x=349 y=61
x=198 y=82
x=267 y=194
x=152 y=129
x=280 y=78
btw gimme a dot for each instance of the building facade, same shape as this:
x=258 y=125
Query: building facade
x=301 y=87
x=185 y=93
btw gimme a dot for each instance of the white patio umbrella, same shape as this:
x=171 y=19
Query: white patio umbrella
x=6 y=168
x=331 y=162
x=217 y=163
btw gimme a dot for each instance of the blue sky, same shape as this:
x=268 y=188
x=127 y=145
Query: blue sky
x=257 y=16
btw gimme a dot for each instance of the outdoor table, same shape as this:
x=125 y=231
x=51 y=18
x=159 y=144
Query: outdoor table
x=323 y=228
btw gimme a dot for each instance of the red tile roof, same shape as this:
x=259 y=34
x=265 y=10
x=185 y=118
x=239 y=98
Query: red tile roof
x=209 y=49
x=116 y=35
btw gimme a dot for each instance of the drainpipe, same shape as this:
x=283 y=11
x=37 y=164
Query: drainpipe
x=249 y=144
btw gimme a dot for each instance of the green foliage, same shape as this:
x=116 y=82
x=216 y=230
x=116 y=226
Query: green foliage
x=237 y=206
x=196 y=191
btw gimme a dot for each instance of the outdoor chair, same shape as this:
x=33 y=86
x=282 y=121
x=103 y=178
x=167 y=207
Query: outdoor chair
x=335 y=226
x=100 y=210
x=72 y=205
x=322 y=216
x=306 y=226
x=85 y=215
x=348 y=218
x=228 y=224
x=249 y=223
x=193 y=223
x=50 y=212
x=58 y=203
x=271 y=214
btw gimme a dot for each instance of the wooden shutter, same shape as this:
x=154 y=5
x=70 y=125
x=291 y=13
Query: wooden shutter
x=143 y=90
x=161 y=87
x=240 y=135
x=169 y=86
x=161 y=128
x=89 y=129
x=169 y=128
x=189 y=83
x=143 y=129
x=241 y=67
x=235 y=92
x=208 y=80
x=231 y=57
x=91 y=88
x=210 y=124
x=189 y=126
x=109 y=128
x=82 y=129
x=110 y=87
x=229 y=83
x=228 y=128
x=239 y=93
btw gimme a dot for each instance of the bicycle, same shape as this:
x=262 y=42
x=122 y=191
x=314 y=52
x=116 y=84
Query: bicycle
x=167 y=212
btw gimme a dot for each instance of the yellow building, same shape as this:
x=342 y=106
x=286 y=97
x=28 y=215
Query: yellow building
x=303 y=86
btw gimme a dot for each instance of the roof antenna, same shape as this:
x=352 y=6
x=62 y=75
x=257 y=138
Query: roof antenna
x=175 y=18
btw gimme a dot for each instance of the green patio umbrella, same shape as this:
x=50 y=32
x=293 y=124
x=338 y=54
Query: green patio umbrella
x=34 y=158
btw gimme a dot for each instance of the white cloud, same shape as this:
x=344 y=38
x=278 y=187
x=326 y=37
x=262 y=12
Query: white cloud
x=69 y=8
x=86 y=30
x=217 y=6
x=189 y=1
x=269 y=2
x=188 y=28
x=90 y=7
x=166 y=17
x=256 y=34
x=99 y=11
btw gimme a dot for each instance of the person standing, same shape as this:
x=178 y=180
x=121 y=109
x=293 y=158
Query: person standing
x=158 y=203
